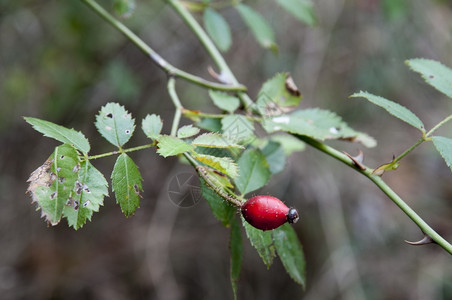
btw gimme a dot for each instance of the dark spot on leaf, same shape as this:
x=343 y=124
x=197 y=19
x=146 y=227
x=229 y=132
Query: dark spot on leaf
x=431 y=77
x=53 y=195
x=62 y=157
x=86 y=203
x=61 y=180
x=110 y=115
x=137 y=190
x=76 y=205
x=127 y=131
x=86 y=188
x=78 y=188
x=76 y=168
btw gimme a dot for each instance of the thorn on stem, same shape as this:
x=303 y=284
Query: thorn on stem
x=424 y=241
x=357 y=160
x=223 y=78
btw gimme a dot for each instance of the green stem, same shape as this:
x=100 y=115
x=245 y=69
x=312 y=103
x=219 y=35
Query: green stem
x=447 y=119
x=121 y=151
x=384 y=187
x=178 y=111
x=210 y=47
x=398 y=158
x=424 y=138
x=155 y=57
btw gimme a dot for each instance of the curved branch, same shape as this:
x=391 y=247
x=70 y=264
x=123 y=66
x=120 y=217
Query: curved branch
x=156 y=58
x=382 y=186
x=210 y=47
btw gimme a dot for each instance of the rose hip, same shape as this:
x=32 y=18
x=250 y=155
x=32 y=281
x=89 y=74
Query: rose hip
x=267 y=212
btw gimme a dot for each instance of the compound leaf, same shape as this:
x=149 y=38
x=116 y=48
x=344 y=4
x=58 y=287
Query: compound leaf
x=60 y=133
x=434 y=73
x=223 y=164
x=87 y=195
x=261 y=30
x=218 y=29
x=224 y=101
x=319 y=124
x=275 y=156
x=394 y=109
x=262 y=241
x=290 y=252
x=444 y=147
x=254 y=171
x=170 y=146
x=278 y=95
x=115 y=124
x=215 y=140
x=51 y=184
x=187 y=131
x=221 y=209
x=238 y=129
x=126 y=183
x=152 y=126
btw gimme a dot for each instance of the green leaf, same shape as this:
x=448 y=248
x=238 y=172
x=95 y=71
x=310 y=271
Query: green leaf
x=274 y=154
x=262 y=241
x=394 y=109
x=278 y=95
x=152 y=126
x=303 y=10
x=170 y=146
x=187 y=131
x=444 y=147
x=124 y=8
x=218 y=29
x=221 y=209
x=289 y=143
x=115 y=124
x=60 y=133
x=434 y=73
x=215 y=140
x=254 y=171
x=317 y=123
x=236 y=249
x=223 y=164
x=290 y=252
x=224 y=101
x=238 y=129
x=261 y=30
x=210 y=124
x=126 y=183
x=87 y=195
x=51 y=184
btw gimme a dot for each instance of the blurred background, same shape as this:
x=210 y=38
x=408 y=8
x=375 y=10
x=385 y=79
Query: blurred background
x=60 y=62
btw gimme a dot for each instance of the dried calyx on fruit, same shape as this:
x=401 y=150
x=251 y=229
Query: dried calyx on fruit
x=267 y=212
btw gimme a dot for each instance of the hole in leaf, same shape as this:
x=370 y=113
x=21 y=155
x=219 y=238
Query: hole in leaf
x=86 y=188
x=62 y=157
x=53 y=195
x=61 y=180
x=78 y=187
x=86 y=203
x=127 y=131
x=110 y=115
x=76 y=168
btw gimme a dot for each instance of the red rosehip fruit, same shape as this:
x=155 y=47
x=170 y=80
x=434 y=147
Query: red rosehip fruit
x=267 y=212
